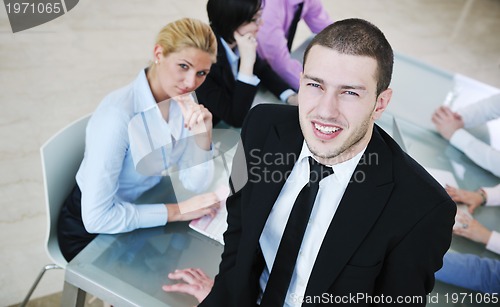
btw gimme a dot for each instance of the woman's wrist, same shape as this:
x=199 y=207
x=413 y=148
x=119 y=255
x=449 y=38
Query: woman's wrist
x=204 y=141
x=292 y=100
x=172 y=212
x=246 y=68
x=487 y=236
x=483 y=195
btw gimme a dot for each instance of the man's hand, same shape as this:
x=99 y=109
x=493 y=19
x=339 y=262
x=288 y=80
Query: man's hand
x=195 y=283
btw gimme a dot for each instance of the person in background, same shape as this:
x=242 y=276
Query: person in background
x=230 y=89
x=467 y=270
x=276 y=35
x=308 y=227
x=451 y=126
x=471 y=228
x=108 y=180
x=471 y=272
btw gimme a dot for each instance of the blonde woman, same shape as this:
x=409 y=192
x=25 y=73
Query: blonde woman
x=110 y=178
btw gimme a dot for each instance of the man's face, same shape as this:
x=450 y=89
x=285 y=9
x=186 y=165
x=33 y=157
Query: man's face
x=338 y=103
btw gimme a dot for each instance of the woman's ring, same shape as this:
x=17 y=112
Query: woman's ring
x=465 y=225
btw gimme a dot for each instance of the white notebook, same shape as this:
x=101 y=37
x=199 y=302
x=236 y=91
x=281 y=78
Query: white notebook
x=212 y=227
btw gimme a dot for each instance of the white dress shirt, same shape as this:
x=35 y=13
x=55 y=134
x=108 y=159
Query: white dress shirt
x=233 y=57
x=108 y=178
x=473 y=115
x=331 y=190
x=481 y=153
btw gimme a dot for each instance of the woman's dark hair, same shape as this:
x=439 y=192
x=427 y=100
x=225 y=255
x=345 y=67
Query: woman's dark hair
x=226 y=16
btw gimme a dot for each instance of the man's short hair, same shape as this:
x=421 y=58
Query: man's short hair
x=358 y=37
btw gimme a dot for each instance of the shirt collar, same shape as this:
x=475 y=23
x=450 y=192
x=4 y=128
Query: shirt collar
x=148 y=131
x=144 y=100
x=176 y=120
x=143 y=97
x=232 y=56
x=343 y=171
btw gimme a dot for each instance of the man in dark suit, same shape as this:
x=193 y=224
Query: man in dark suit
x=380 y=224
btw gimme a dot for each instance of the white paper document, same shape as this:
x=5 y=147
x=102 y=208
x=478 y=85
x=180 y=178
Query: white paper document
x=212 y=227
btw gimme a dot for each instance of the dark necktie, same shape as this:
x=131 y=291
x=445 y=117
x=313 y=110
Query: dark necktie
x=293 y=25
x=284 y=263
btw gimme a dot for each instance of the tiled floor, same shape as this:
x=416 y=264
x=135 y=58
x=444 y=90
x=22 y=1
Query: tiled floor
x=59 y=71
x=55 y=300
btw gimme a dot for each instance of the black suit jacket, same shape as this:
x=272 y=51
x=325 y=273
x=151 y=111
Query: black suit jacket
x=388 y=236
x=228 y=99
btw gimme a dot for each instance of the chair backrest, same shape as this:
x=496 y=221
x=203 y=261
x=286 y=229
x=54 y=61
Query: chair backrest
x=61 y=157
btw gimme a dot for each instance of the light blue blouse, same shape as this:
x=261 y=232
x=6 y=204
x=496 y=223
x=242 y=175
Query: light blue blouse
x=108 y=177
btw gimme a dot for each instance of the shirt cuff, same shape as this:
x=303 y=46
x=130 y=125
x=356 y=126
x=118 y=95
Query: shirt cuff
x=152 y=215
x=494 y=242
x=200 y=155
x=492 y=196
x=252 y=80
x=284 y=96
x=461 y=139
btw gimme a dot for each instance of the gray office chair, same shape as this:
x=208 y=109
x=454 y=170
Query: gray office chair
x=61 y=157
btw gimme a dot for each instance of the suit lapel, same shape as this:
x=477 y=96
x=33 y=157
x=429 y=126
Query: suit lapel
x=225 y=68
x=361 y=205
x=283 y=141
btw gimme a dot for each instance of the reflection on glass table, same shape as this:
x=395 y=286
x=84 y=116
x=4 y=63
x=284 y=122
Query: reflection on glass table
x=129 y=269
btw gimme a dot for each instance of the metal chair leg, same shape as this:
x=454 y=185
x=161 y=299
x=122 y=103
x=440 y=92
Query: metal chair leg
x=35 y=284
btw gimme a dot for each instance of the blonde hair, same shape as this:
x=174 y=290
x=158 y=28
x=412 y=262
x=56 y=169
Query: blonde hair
x=185 y=33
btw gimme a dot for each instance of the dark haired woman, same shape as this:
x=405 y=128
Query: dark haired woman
x=231 y=86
